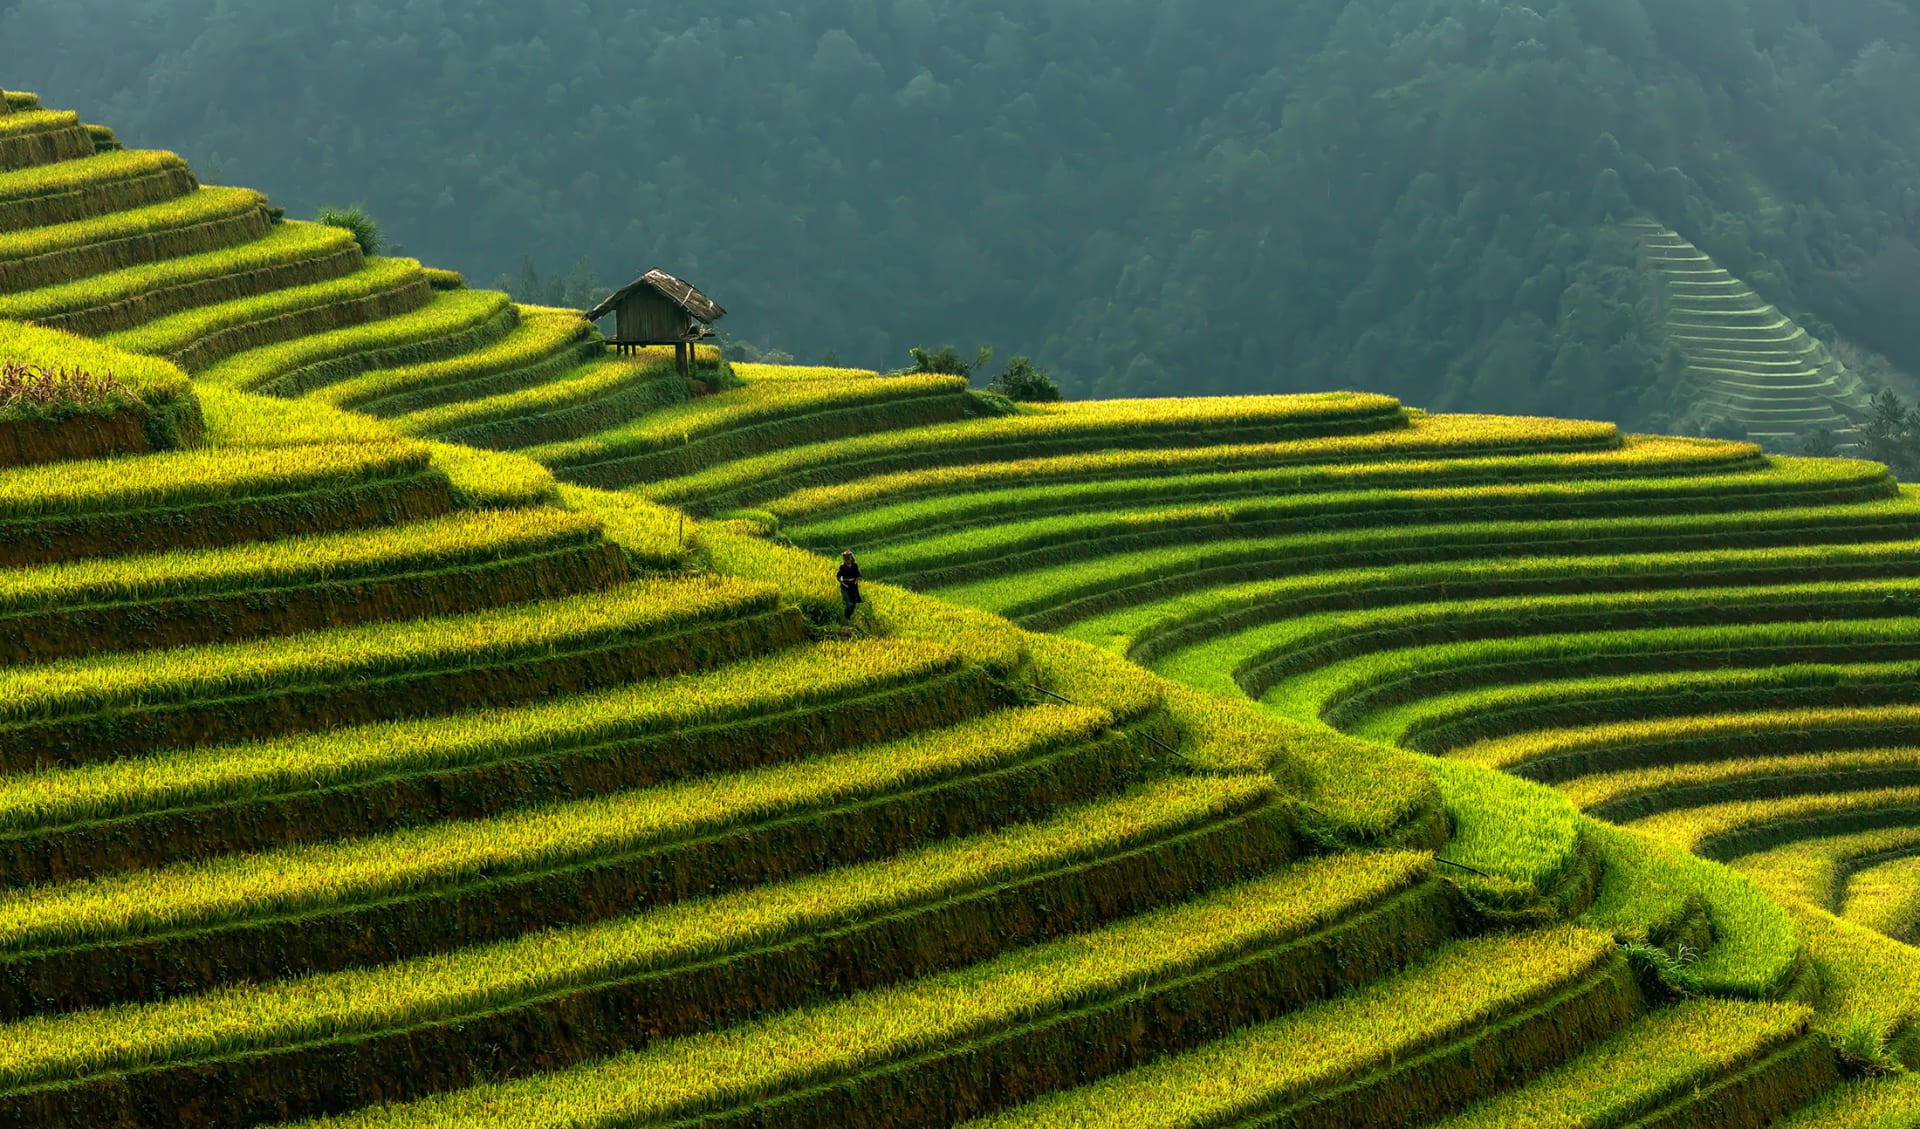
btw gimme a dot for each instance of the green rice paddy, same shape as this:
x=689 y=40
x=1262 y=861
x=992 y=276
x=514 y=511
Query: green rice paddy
x=442 y=721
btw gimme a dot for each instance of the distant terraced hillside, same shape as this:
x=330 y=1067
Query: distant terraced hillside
x=1748 y=363
x=409 y=721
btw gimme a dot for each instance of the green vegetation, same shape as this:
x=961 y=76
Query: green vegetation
x=137 y=382
x=1666 y=1056
x=1044 y=429
x=178 y=478
x=1432 y=437
x=370 y=762
x=355 y=221
x=745 y=422
x=1424 y=198
x=1652 y=893
x=754 y=1062
x=286 y=246
x=1287 y=1066
x=644 y=610
x=922 y=516
x=611 y=390
x=545 y=343
x=448 y=322
x=45 y=256
x=1024 y=382
x=330 y=877
x=208 y=333
x=79 y=189
x=793 y=681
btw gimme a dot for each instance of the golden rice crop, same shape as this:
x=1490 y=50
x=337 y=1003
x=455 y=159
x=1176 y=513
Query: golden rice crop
x=1885 y=897
x=1179 y=566
x=741 y=1063
x=188 y=673
x=797 y=679
x=1726 y=776
x=1882 y=1102
x=1519 y=831
x=182 y=477
x=1813 y=870
x=71 y=176
x=589 y=383
x=243 y=420
x=148 y=377
x=436 y=543
x=1670 y=1053
x=808 y=580
x=1172 y=422
x=1455 y=993
x=449 y=313
x=203 y=206
x=1091 y=677
x=1427 y=437
x=178 y=331
x=36 y=121
x=652 y=535
x=921 y=515
x=541 y=334
x=494 y=479
x=1784 y=484
x=1862 y=973
x=1361 y=791
x=319 y=877
x=1647 y=888
x=237 y=1019
x=758 y=372
x=287 y=243
x=1698 y=829
x=734 y=409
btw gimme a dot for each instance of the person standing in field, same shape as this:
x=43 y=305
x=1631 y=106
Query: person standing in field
x=849 y=581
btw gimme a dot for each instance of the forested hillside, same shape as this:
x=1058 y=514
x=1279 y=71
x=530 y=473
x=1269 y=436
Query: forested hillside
x=1148 y=196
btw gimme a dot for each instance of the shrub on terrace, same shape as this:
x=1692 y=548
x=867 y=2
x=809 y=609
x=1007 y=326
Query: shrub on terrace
x=946 y=362
x=1026 y=382
x=354 y=218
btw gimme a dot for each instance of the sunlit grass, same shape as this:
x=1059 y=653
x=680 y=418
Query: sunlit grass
x=233 y=1020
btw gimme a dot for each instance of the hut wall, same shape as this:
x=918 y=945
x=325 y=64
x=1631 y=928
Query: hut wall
x=647 y=317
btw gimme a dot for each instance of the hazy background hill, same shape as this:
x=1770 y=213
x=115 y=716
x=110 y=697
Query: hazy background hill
x=1150 y=196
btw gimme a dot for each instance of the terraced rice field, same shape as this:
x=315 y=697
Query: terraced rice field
x=445 y=724
x=1748 y=362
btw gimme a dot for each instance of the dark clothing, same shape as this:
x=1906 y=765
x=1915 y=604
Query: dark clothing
x=849 y=585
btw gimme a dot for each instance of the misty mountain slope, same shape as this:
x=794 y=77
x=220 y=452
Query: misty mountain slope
x=1408 y=195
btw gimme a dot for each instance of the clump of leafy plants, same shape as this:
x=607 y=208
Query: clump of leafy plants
x=1025 y=382
x=1664 y=973
x=1861 y=1044
x=30 y=391
x=354 y=218
x=1021 y=382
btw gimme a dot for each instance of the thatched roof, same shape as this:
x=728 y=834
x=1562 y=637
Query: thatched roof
x=680 y=293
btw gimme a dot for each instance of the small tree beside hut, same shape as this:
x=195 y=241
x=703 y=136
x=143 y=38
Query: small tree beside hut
x=659 y=309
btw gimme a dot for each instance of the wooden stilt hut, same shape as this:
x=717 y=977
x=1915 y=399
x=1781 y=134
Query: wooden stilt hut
x=659 y=309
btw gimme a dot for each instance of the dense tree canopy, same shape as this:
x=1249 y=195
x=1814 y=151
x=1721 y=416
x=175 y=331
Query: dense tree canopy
x=1146 y=196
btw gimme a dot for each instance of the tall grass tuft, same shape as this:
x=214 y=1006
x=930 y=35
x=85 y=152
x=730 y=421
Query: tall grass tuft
x=354 y=218
x=39 y=391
